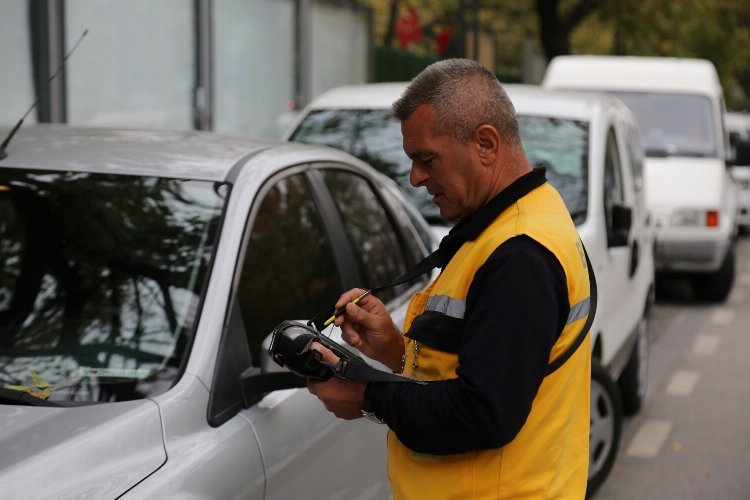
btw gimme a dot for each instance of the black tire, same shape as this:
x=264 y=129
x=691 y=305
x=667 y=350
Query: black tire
x=606 y=426
x=715 y=287
x=634 y=379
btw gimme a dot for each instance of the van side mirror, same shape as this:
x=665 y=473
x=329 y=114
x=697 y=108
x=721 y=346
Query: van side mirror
x=742 y=153
x=621 y=220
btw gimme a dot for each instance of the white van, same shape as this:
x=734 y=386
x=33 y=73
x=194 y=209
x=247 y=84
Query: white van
x=591 y=148
x=738 y=126
x=689 y=191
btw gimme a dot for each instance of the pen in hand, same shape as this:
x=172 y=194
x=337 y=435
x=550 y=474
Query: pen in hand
x=339 y=312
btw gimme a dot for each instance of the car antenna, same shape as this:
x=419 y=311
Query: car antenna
x=4 y=145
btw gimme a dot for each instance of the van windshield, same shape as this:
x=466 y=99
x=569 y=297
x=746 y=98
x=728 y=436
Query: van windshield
x=101 y=279
x=561 y=146
x=673 y=124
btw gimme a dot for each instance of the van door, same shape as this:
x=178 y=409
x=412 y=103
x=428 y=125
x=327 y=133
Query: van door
x=621 y=248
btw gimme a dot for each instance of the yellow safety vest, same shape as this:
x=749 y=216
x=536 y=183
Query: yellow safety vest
x=549 y=457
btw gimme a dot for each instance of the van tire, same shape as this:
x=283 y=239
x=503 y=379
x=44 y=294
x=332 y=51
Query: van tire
x=634 y=379
x=606 y=426
x=715 y=287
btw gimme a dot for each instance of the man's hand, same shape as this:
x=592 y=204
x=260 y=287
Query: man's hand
x=343 y=398
x=368 y=326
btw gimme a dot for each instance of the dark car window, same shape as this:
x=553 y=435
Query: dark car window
x=289 y=271
x=101 y=279
x=613 y=181
x=377 y=247
x=372 y=135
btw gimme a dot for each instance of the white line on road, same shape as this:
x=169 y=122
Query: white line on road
x=744 y=278
x=649 y=439
x=706 y=344
x=682 y=383
x=722 y=316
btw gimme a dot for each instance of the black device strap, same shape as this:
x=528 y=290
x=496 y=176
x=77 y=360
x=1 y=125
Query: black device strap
x=593 y=296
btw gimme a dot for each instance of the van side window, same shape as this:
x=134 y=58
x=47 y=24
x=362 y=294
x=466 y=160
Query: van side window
x=613 y=189
x=289 y=271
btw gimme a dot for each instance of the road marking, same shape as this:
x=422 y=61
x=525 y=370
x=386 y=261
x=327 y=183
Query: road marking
x=722 y=316
x=705 y=344
x=738 y=295
x=744 y=278
x=682 y=383
x=649 y=439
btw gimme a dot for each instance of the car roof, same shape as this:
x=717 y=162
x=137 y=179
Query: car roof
x=161 y=153
x=533 y=100
x=364 y=96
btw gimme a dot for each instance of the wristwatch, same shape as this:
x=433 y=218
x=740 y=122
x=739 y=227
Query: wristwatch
x=367 y=410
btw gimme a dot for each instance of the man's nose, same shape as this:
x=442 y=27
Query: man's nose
x=418 y=175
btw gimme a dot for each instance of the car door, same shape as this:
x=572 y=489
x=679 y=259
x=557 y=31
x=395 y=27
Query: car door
x=316 y=232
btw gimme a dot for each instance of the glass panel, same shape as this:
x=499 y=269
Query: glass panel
x=16 y=83
x=136 y=68
x=372 y=136
x=673 y=125
x=253 y=59
x=379 y=255
x=101 y=279
x=289 y=270
x=562 y=147
x=613 y=189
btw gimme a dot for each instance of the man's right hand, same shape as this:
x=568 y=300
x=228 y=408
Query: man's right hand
x=368 y=326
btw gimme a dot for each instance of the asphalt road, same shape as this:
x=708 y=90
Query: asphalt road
x=692 y=438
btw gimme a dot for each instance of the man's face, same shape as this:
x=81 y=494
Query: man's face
x=450 y=171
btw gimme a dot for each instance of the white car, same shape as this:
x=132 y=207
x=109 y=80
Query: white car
x=141 y=273
x=591 y=148
x=738 y=126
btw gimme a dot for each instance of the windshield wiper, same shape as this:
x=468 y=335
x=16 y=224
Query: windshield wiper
x=9 y=396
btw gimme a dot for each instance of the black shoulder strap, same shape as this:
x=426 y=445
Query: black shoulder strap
x=557 y=363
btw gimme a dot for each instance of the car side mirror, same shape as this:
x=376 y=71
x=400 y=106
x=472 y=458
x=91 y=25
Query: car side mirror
x=621 y=221
x=256 y=382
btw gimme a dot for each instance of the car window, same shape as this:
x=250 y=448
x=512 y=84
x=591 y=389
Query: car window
x=560 y=146
x=378 y=251
x=101 y=279
x=373 y=136
x=613 y=187
x=289 y=271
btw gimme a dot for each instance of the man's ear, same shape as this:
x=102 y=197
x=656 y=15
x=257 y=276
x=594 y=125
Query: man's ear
x=488 y=143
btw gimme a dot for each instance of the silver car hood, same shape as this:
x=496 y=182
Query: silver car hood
x=95 y=451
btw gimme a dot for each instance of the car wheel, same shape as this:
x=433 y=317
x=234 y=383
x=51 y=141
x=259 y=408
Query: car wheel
x=606 y=425
x=634 y=379
x=714 y=287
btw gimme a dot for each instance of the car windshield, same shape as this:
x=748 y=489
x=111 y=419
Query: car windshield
x=673 y=124
x=101 y=279
x=373 y=136
x=561 y=146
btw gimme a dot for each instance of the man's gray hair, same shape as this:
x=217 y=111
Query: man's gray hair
x=464 y=95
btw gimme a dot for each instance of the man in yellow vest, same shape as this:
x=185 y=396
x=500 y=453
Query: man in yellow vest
x=495 y=421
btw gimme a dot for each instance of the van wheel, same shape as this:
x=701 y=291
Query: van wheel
x=715 y=287
x=606 y=425
x=634 y=379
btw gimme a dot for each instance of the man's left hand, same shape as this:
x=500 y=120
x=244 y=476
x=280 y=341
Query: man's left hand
x=343 y=398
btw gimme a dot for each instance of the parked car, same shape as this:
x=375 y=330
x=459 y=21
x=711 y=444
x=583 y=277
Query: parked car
x=679 y=105
x=141 y=273
x=738 y=126
x=590 y=145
